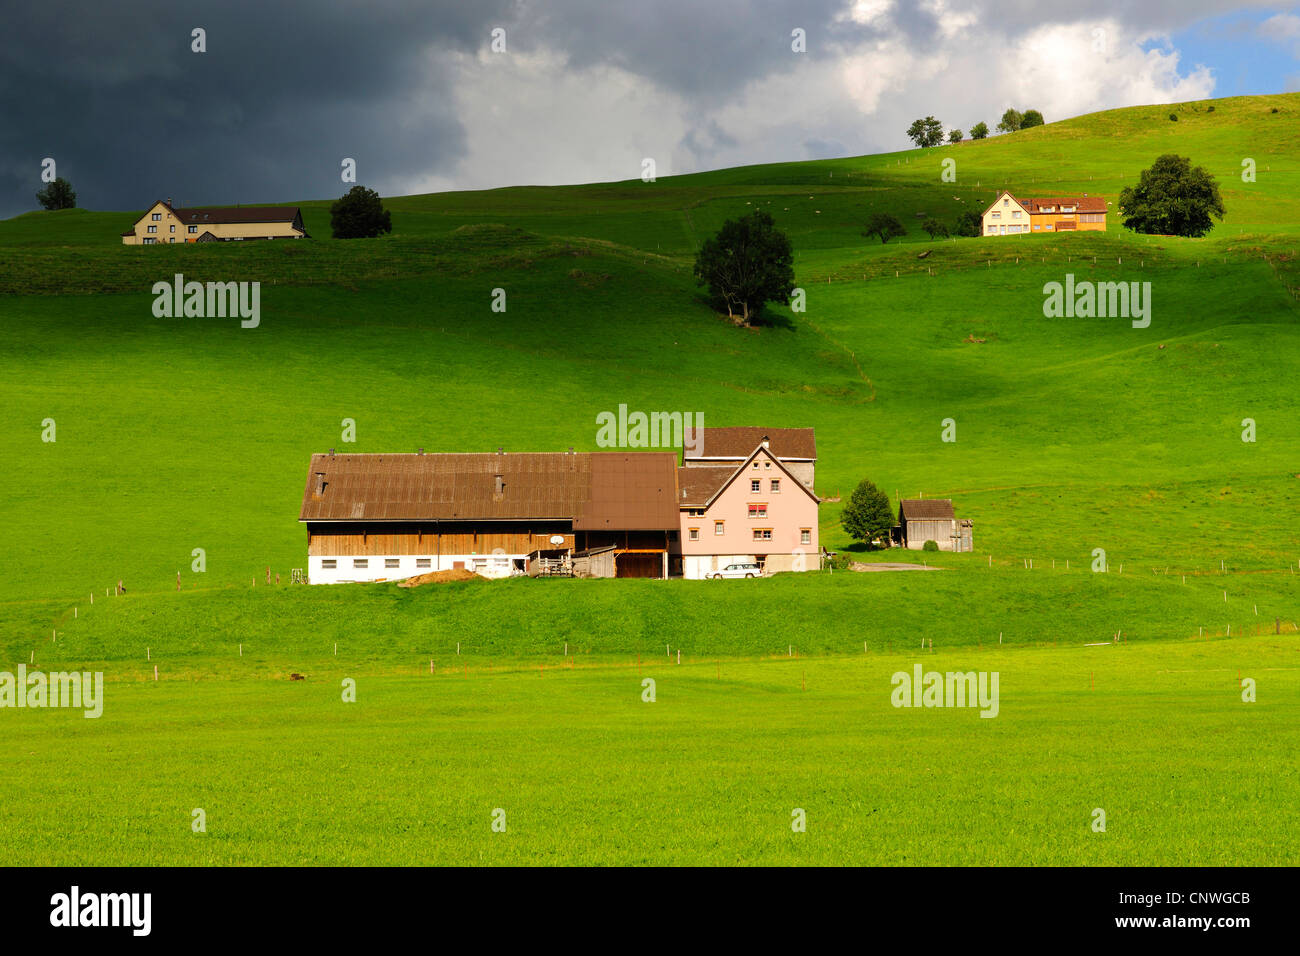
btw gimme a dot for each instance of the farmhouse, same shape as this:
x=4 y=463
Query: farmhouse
x=747 y=497
x=932 y=519
x=386 y=517
x=1008 y=215
x=165 y=223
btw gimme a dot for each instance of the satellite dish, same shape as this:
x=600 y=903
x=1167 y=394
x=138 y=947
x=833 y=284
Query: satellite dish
x=557 y=539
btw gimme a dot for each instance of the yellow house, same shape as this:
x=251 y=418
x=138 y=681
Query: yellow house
x=165 y=223
x=1008 y=215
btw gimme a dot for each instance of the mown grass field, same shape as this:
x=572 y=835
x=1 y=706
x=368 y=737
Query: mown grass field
x=1072 y=435
x=711 y=772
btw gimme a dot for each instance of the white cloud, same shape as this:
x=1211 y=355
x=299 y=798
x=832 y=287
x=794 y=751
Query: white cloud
x=535 y=118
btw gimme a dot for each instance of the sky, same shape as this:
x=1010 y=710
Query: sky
x=424 y=99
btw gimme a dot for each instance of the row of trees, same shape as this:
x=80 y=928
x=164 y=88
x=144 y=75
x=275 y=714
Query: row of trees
x=928 y=131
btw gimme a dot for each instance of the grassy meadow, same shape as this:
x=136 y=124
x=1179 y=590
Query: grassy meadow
x=1072 y=435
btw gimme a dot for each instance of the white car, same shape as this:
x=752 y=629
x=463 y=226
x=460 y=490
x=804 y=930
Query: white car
x=738 y=571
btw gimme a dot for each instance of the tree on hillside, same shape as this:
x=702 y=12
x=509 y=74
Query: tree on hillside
x=57 y=195
x=1030 y=119
x=360 y=214
x=1010 y=121
x=935 y=228
x=955 y=136
x=868 y=516
x=884 y=225
x=980 y=130
x=926 y=132
x=970 y=224
x=1172 y=198
x=746 y=265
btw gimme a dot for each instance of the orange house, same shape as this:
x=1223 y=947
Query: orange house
x=1009 y=215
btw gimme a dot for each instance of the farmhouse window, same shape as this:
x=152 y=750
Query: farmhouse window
x=150 y=242
x=756 y=484
x=329 y=564
x=805 y=536
x=997 y=215
x=758 y=511
x=424 y=562
x=776 y=486
x=153 y=228
x=191 y=229
x=392 y=562
x=1015 y=214
x=156 y=216
x=171 y=228
x=695 y=534
x=695 y=513
x=719 y=527
x=172 y=239
x=361 y=562
x=762 y=534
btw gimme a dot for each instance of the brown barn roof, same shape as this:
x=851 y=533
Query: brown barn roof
x=227 y=214
x=737 y=443
x=1081 y=203
x=922 y=509
x=623 y=490
x=699 y=483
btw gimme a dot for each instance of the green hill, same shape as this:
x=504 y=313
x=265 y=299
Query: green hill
x=1072 y=435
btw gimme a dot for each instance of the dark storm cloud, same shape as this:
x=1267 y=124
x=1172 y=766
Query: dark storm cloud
x=704 y=49
x=288 y=88
x=284 y=92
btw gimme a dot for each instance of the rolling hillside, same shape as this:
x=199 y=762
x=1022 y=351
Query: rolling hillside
x=1072 y=435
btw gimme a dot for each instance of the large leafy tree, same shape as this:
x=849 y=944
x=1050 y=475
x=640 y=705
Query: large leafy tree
x=1030 y=119
x=57 y=195
x=980 y=130
x=746 y=265
x=868 y=516
x=954 y=136
x=926 y=132
x=1172 y=198
x=935 y=228
x=883 y=225
x=359 y=214
x=1010 y=121
x=970 y=224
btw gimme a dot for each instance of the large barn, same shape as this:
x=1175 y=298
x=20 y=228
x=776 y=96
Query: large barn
x=163 y=223
x=386 y=517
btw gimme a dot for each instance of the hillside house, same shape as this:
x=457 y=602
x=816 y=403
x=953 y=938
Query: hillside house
x=746 y=496
x=1008 y=215
x=387 y=517
x=932 y=519
x=165 y=223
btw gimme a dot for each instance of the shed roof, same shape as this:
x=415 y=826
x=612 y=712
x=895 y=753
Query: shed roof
x=937 y=509
x=739 y=443
x=601 y=490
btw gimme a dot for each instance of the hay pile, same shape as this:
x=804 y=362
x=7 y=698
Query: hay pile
x=438 y=577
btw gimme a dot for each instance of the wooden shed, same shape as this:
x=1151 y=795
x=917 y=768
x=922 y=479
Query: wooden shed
x=932 y=519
